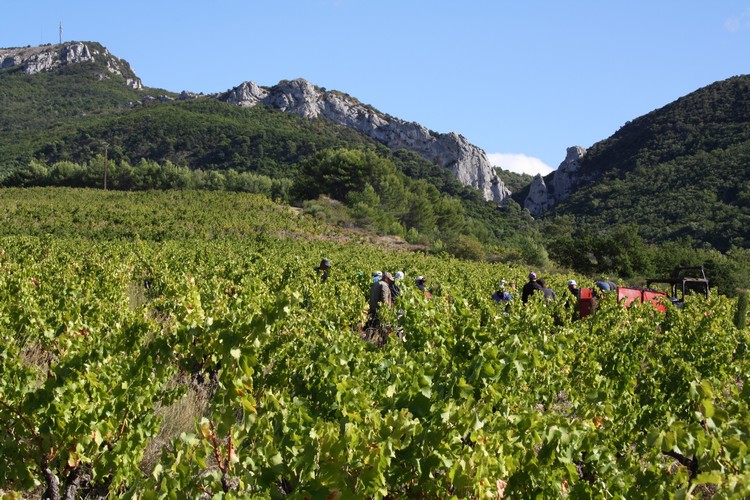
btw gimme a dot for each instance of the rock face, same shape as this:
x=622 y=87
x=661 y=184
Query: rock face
x=48 y=57
x=467 y=162
x=545 y=193
x=566 y=177
x=539 y=199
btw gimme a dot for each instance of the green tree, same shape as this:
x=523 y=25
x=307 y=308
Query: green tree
x=466 y=247
x=365 y=205
x=337 y=173
x=420 y=213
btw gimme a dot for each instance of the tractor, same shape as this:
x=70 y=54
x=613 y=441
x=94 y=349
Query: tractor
x=684 y=281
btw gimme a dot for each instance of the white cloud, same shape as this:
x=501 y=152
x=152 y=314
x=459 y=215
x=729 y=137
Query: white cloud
x=737 y=23
x=732 y=24
x=519 y=163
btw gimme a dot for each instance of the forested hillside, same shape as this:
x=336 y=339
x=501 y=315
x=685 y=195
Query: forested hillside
x=681 y=172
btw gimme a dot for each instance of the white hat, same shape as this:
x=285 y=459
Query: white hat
x=399 y=275
x=572 y=283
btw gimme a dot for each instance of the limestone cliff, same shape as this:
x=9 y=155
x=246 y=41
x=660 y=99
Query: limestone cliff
x=49 y=57
x=546 y=192
x=467 y=162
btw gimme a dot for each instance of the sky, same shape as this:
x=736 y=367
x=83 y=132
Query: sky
x=523 y=79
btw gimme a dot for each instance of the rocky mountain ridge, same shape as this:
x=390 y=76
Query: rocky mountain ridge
x=468 y=163
x=48 y=57
x=453 y=151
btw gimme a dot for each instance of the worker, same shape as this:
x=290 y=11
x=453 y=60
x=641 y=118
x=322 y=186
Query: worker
x=421 y=284
x=573 y=295
x=602 y=285
x=503 y=296
x=529 y=288
x=549 y=294
x=605 y=286
x=573 y=288
x=396 y=285
x=380 y=293
x=323 y=268
x=572 y=298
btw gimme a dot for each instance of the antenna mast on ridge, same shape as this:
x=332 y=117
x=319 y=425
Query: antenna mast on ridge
x=60 y=32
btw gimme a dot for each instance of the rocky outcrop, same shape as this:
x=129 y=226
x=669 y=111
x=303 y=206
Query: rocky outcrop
x=247 y=94
x=467 y=162
x=545 y=192
x=539 y=199
x=186 y=95
x=567 y=175
x=49 y=57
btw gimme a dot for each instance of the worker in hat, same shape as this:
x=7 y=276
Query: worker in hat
x=323 y=268
x=530 y=287
x=396 y=285
x=502 y=295
x=573 y=288
x=421 y=284
x=575 y=295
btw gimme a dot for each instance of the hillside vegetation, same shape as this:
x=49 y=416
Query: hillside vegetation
x=159 y=344
x=681 y=172
x=514 y=181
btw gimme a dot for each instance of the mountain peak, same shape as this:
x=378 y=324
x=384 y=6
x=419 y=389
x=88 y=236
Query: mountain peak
x=44 y=58
x=544 y=192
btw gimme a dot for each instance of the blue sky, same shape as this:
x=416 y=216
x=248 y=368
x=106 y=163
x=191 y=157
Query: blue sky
x=523 y=80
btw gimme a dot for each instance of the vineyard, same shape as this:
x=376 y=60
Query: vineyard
x=181 y=345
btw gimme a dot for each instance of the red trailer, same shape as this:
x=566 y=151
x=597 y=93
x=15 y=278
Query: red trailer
x=588 y=298
x=683 y=281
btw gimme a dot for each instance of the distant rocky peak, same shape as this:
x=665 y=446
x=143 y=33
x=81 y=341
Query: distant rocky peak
x=573 y=154
x=299 y=97
x=467 y=162
x=247 y=94
x=49 y=57
x=545 y=193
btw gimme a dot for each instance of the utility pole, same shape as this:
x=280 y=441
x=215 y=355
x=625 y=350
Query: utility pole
x=106 y=145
